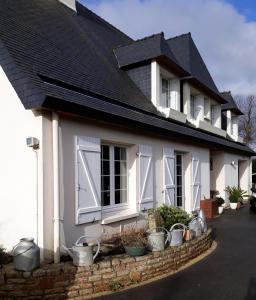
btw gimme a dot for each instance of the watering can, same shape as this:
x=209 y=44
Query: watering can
x=196 y=225
x=157 y=240
x=82 y=253
x=203 y=220
x=176 y=235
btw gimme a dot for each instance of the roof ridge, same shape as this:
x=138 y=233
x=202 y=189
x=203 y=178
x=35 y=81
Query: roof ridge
x=139 y=40
x=108 y=24
x=178 y=36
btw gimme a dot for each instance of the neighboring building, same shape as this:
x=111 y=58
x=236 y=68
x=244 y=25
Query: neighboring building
x=123 y=125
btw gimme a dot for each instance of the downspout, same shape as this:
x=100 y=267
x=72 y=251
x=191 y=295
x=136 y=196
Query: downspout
x=56 y=193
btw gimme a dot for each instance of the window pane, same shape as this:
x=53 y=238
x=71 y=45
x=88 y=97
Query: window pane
x=179 y=180
x=104 y=152
x=105 y=183
x=105 y=198
x=120 y=168
x=123 y=153
x=179 y=201
x=179 y=191
x=120 y=196
x=105 y=167
x=178 y=159
x=117 y=153
x=178 y=170
x=120 y=182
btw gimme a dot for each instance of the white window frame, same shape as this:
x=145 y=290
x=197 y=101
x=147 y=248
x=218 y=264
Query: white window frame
x=168 y=103
x=212 y=112
x=112 y=205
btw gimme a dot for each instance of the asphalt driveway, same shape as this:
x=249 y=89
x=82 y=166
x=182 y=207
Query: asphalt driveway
x=228 y=273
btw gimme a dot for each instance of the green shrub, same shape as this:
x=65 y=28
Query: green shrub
x=172 y=214
x=220 y=201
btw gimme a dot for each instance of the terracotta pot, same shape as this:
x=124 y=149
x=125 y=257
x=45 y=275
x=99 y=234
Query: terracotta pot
x=188 y=235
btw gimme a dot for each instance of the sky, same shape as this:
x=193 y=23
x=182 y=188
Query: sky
x=223 y=30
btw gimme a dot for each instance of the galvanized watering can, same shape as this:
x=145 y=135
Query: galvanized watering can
x=196 y=225
x=82 y=253
x=176 y=235
x=156 y=239
x=26 y=255
x=203 y=220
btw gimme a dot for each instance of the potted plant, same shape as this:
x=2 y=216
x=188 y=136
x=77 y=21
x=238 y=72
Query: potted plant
x=134 y=241
x=236 y=195
x=172 y=215
x=220 y=202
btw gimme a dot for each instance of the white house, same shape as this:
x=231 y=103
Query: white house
x=117 y=126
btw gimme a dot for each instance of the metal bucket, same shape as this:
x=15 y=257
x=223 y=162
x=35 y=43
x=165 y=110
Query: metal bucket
x=176 y=235
x=157 y=240
x=26 y=255
x=82 y=254
x=196 y=225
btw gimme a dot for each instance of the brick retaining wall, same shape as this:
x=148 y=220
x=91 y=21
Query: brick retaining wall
x=65 y=281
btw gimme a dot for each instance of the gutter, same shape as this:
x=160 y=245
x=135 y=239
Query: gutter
x=56 y=190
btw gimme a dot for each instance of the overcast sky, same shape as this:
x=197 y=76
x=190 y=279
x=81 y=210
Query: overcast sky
x=223 y=30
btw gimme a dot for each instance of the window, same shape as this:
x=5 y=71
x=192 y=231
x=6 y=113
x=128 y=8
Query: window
x=165 y=94
x=192 y=106
x=179 y=180
x=113 y=175
x=212 y=115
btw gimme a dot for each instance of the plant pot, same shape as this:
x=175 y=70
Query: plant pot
x=220 y=209
x=189 y=234
x=233 y=205
x=135 y=251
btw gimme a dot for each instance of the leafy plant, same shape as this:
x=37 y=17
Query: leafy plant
x=134 y=237
x=172 y=214
x=220 y=201
x=154 y=219
x=235 y=194
x=115 y=286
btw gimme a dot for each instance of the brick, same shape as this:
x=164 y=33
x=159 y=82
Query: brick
x=27 y=274
x=46 y=283
x=72 y=294
x=39 y=273
x=54 y=291
x=135 y=276
x=122 y=273
x=56 y=296
x=16 y=280
x=115 y=261
x=109 y=275
x=104 y=264
x=95 y=278
x=61 y=283
x=86 y=292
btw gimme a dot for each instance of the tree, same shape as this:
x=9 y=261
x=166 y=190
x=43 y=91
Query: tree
x=247 y=122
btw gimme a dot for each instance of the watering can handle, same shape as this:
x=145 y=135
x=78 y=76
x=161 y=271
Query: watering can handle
x=179 y=224
x=164 y=229
x=98 y=250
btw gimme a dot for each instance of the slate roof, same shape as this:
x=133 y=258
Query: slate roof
x=59 y=59
x=46 y=38
x=146 y=49
x=188 y=56
x=231 y=104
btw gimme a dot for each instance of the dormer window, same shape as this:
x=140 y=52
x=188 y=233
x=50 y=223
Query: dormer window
x=165 y=93
x=169 y=97
x=192 y=106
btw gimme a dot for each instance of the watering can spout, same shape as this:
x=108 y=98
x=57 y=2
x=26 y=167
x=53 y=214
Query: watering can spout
x=68 y=250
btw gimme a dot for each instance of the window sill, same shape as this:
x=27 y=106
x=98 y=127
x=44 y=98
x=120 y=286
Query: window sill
x=173 y=114
x=120 y=216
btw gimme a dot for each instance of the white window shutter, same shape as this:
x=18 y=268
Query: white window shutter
x=169 y=176
x=145 y=177
x=196 y=183
x=88 y=180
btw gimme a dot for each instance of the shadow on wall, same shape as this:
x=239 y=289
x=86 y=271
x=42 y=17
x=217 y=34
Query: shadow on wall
x=251 y=293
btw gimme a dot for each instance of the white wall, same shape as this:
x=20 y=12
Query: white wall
x=18 y=170
x=69 y=128
x=225 y=173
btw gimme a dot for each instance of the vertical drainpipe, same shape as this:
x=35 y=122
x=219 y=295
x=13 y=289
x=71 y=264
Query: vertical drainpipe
x=56 y=193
